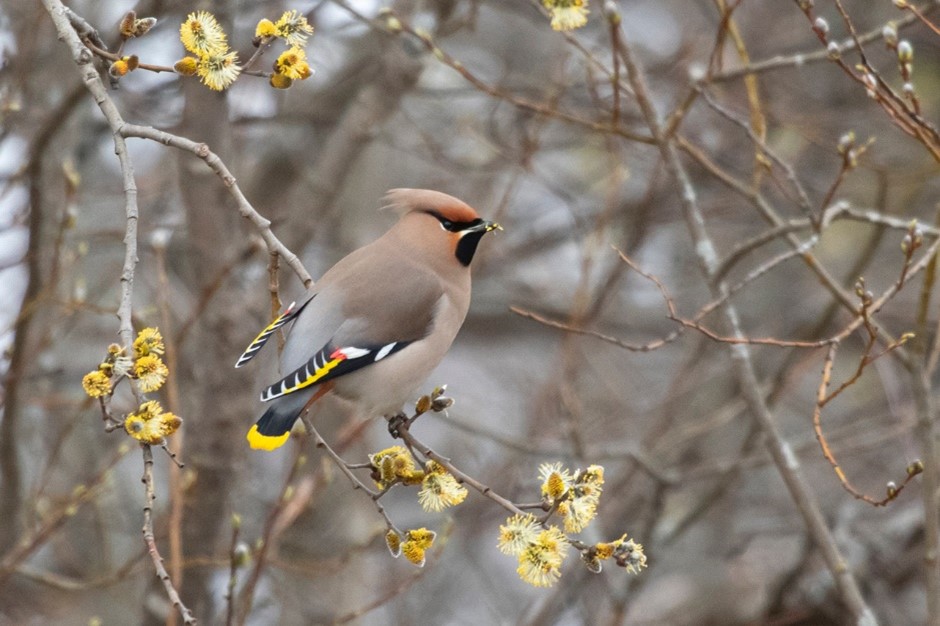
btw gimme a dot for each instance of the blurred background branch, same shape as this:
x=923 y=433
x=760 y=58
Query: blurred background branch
x=773 y=154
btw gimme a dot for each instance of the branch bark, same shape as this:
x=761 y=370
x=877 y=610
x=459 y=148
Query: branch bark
x=785 y=459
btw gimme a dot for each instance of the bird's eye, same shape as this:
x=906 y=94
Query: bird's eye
x=446 y=224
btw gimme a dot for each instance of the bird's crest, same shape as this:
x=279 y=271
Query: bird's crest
x=407 y=200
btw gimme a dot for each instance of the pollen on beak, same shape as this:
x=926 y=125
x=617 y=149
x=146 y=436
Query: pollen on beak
x=493 y=226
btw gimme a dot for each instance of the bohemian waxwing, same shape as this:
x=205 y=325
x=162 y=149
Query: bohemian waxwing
x=376 y=324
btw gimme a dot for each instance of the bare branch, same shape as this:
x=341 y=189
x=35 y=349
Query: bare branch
x=785 y=460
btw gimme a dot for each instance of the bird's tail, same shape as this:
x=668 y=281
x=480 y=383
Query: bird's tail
x=272 y=430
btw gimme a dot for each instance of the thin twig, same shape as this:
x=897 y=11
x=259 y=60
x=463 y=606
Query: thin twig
x=233 y=558
x=904 y=117
x=821 y=400
x=745 y=247
x=82 y=494
x=632 y=347
x=396 y=590
x=266 y=541
x=535 y=107
x=216 y=164
x=83 y=59
x=151 y=542
x=919 y=14
x=927 y=433
x=110 y=56
x=211 y=288
x=814 y=56
x=273 y=287
x=65 y=583
x=404 y=433
x=347 y=468
x=842 y=296
x=173 y=403
x=802 y=197
x=786 y=462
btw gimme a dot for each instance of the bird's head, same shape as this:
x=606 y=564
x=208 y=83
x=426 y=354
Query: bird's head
x=440 y=222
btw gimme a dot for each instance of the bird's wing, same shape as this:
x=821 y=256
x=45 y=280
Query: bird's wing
x=384 y=309
x=289 y=314
x=331 y=362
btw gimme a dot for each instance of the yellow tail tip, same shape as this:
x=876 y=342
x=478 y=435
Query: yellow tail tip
x=257 y=441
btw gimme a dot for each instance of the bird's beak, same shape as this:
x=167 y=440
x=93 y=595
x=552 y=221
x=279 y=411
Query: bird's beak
x=484 y=227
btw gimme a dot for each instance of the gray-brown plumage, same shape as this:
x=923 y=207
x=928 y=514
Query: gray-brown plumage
x=376 y=324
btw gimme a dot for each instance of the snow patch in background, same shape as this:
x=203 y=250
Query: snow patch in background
x=14 y=242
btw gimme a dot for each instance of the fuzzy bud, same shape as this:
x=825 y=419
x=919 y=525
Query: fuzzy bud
x=860 y=286
x=870 y=82
x=393 y=24
x=890 y=34
x=265 y=29
x=833 y=50
x=913 y=239
x=846 y=142
x=612 y=12
x=241 y=555
x=393 y=541
x=118 y=68
x=821 y=26
x=127 y=25
x=441 y=404
x=905 y=51
x=143 y=26
x=186 y=66
x=423 y=405
x=279 y=81
x=160 y=238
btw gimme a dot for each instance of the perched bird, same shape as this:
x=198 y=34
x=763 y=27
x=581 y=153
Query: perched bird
x=375 y=325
